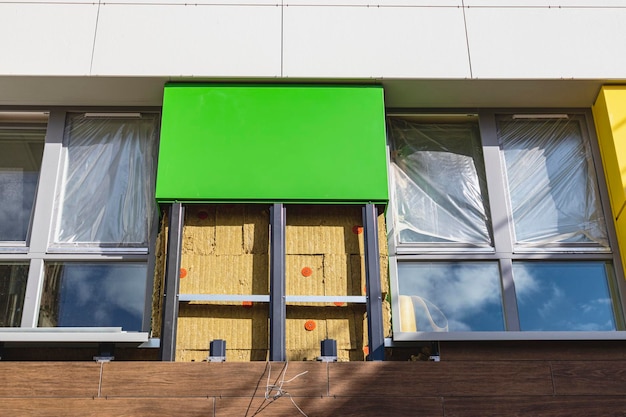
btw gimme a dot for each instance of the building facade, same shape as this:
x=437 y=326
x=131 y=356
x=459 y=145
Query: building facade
x=403 y=177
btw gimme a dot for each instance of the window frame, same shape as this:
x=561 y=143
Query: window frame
x=504 y=251
x=40 y=249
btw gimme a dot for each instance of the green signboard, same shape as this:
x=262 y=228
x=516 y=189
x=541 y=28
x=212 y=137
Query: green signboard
x=270 y=143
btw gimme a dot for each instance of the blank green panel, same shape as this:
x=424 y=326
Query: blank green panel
x=272 y=143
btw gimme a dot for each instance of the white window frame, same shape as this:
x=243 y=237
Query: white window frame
x=503 y=251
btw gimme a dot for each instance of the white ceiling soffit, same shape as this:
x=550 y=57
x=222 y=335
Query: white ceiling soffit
x=399 y=93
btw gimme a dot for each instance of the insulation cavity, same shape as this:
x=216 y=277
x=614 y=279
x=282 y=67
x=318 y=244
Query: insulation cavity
x=226 y=251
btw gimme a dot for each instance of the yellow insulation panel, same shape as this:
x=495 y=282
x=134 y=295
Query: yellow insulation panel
x=243 y=327
x=304 y=274
x=307 y=326
x=226 y=251
x=232 y=355
x=159 y=278
x=225 y=274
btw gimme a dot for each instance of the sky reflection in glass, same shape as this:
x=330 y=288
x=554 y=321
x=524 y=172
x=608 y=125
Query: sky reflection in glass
x=467 y=293
x=563 y=296
x=94 y=295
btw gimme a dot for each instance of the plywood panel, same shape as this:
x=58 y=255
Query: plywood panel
x=589 y=378
x=345 y=407
x=49 y=379
x=126 y=407
x=559 y=406
x=440 y=378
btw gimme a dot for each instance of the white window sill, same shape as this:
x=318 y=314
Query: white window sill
x=71 y=334
x=495 y=336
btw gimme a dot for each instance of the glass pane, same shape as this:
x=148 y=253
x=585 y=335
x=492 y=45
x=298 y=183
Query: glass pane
x=107 y=196
x=94 y=295
x=21 y=150
x=450 y=296
x=439 y=183
x=13 y=279
x=552 y=183
x=563 y=296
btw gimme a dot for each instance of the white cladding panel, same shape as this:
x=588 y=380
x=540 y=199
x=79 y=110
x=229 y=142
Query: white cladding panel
x=188 y=40
x=374 y=42
x=52 y=39
x=545 y=3
x=317 y=39
x=547 y=42
x=376 y=3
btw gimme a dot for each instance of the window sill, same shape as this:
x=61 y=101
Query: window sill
x=510 y=335
x=72 y=334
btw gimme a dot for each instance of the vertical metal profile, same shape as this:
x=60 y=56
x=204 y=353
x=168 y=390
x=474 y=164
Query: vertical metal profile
x=172 y=272
x=278 y=310
x=376 y=337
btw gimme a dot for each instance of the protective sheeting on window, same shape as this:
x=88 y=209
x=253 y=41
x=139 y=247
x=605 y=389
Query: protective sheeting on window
x=439 y=191
x=107 y=195
x=21 y=150
x=552 y=183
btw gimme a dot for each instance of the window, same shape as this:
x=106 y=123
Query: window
x=12 y=287
x=107 y=185
x=21 y=150
x=93 y=294
x=81 y=208
x=497 y=224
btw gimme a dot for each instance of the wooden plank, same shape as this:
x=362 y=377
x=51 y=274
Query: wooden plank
x=440 y=378
x=329 y=406
x=49 y=379
x=150 y=379
x=533 y=350
x=589 y=378
x=539 y=406
x=119 y=407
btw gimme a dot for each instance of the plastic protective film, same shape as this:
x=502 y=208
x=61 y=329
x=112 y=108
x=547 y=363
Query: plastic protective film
x=439 y=183
x=552 y=183
x=107 y=195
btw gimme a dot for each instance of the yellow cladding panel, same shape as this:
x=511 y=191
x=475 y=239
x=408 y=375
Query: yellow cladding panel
x=609 y=114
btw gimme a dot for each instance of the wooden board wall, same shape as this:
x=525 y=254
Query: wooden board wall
x=542 y=383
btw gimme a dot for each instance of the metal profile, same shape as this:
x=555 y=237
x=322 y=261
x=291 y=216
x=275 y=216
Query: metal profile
x=278 y=309
x=172 y=272
x=374 y=305
x=223 y=297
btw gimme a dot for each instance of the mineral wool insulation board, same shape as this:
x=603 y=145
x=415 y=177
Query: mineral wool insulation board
x=270 y=143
